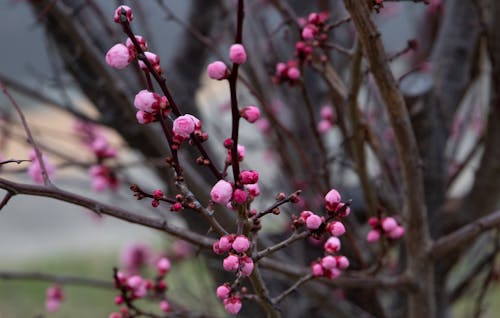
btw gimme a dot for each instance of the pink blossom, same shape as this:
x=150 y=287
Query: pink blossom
x=35 y=169
x=223 y=291
x=153 y=59
x=54 y=297
x=183 y=126
x=317 y=269
x=148 y=101
x=389 y=224
x=241 y=244
x=332 y=245
x=128 y=13
x=232 y=305
x=163 y=265
x=249 y=176
x=240 y=196
x=222 y=192
x=134 y=282
x=247 y=265
x=309 y=32
x=332 y=273
x=326 y=112
x=226 y=243
x=250 y=113
x=373 y=236
x=345 y=212
x=293 y=73
x=342 y=262
x=313 y=222
x=134 y=256
x=336 y=228
x=164 y=306
x=332 y=199
x=140 y=40
x=144 y=117
x=217 y=70
x=237 y=54
x=118 y=300
x=118 y=56
x=263 y=125
x=253 y=189
x=115 y=315
x=324 y=126
x=231 y=263
x=304 y=215
x=328 y=262
x=396 y=233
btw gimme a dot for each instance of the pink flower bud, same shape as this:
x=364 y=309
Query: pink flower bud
x=328 y=262
x=247 y=265
x=317 y=269
x=332 y=245
x=153 y=59
x=240 y=196
x=163 y=266
x=293 y=73
x=336 y=228
x=373 y=222
x=147 y=101
x=118 y=56
x=128 y=13
x=223 y=291
x=232 y=305
x=345 y=211
x=304 y=215
x=332 y=273
x=253 y=189
x=164 y=306
x=324 y=126
x=158 y=194
x=389 y=224
x=313 y=222
x=183 y=126
x=241 y=152
x=250 y=113
x=216 y=248
x=373 y=236
x=241 y=244
x=342 y=262
x=237 y=54
x=222 y=192
x=332 y=199
x=396 y=233
x=249 y=176
x=115 y=315
x=217 y=70
x=140 y=40
x=52 y=305
x=144 y=117
x=226 y=242
x=231 y=263
x=309 y=32
x=134 y=282
x=326 y=112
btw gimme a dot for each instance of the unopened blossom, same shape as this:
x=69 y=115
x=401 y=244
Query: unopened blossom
x=128 y=13
x=35 y=169
x=293 y=73
x=222 y=192
x=232 y=305
x=249 y=176
x=332 y=200
x=329 y=262
x=164 y=306
x=148 y=101
x=226 y=242
x=326 y=112
x=389 y=224
x=396 y=233
x=332 y=245
x=336 y=228
x=241 y=244
x=54 y=297
x=250 y=113
x=240 y=196
x=253 y=189
x=313 y=222
x=332 y=273
x=118 y=56
x=223 y=291
x=231 y=263
x=163 y=265
x=317 y=269
x=134 y=256
x=183 y=126
x=140 y=40
x=247 y=265
x=237 y=54
x=309 y=32
x=217 y=70
x=324 y=126
x=144 y=117
x=373 y=236
x=342 y=262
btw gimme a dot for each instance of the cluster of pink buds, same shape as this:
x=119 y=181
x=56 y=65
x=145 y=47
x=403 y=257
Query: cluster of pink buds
x=327 y=119
x=331 y=264
x=250 y=113
x=218 y=70
x=241 y=150
x=134 y=286
x=135 y=256
x=149 y=106
x=238 y=261
x=54 y=297
x=314 y=29
x=103 y=176
x=387 y=226
x=35 y=169
x=287 y=73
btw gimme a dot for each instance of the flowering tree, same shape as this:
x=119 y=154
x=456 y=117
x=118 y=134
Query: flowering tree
x=356 y=216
